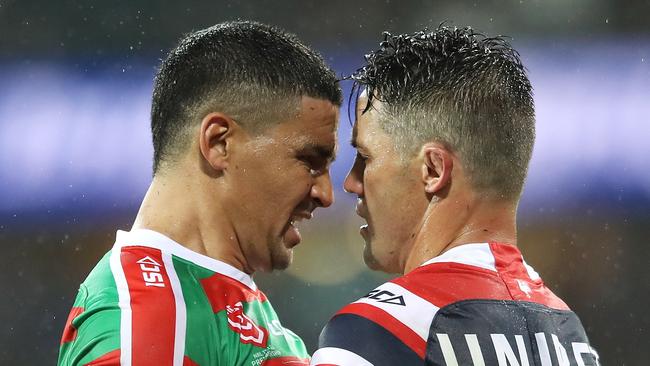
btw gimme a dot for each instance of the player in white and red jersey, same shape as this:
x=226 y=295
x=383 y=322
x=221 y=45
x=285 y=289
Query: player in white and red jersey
x=444 y=133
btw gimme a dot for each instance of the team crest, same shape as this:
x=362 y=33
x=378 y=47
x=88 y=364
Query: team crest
x=249 y=332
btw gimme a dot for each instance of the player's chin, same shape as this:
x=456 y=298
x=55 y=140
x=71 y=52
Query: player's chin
x=369 y=258
x=379 y=261
x=281 y=258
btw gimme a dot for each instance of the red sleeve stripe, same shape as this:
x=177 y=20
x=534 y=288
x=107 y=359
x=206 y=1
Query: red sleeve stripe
x=405 y=334
x=70 y=332
x=152 y=308
x=111 y=358
x=286 y=361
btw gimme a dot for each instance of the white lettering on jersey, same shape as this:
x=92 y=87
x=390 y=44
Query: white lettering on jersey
x=151 y=272
x=580 y=348
x=474 y=349
x=447 y=350
x=542 y=346
x=506 y=355
x=562 y=358
x=504 y=352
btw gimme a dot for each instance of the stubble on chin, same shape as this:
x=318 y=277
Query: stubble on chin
x=281 y=257
x=369 y=259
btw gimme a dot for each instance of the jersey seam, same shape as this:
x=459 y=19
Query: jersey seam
x=505 y=284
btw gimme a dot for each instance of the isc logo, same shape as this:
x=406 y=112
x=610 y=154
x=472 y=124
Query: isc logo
x=151 y=272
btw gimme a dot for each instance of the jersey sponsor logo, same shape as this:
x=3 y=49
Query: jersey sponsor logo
x=500 y=345
x=386 y=297
x=151 y=272
x=249 y=332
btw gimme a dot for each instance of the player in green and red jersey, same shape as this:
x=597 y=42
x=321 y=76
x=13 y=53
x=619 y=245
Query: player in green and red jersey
x=244 y=130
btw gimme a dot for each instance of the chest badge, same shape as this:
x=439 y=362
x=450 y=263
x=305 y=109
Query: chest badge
x=249 y=332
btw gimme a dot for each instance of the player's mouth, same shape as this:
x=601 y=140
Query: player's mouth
x=362 y=211
x=364 y=230
x=292 y=235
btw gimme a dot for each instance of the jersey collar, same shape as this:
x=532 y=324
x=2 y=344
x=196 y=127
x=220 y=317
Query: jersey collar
x=154 y=239
x=474 y=254
x=481 y=255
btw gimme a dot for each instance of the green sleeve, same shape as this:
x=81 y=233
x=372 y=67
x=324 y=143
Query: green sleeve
x=93 y=333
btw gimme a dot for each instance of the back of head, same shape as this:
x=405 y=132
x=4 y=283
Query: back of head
x=459 y=88
x=253 y=72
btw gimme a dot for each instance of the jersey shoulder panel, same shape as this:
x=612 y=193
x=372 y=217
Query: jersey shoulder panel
x=117 y=313
x=93 y=327
x=387 y=319
x=479 y=271
x=521 y=280
x=448 y=282
x=351 y=339
x=145 y=276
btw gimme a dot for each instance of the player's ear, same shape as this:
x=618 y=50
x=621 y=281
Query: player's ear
x=436 y=167
x=214 y=139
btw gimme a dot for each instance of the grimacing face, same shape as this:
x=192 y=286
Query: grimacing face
x=278 y=178
x=389 y=193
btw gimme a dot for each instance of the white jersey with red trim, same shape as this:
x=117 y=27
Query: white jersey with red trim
x=476 y=304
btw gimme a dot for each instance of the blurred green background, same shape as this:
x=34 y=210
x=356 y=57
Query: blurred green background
x=75 y=84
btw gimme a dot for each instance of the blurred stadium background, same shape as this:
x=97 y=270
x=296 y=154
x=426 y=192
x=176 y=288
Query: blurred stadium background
x=75 y=83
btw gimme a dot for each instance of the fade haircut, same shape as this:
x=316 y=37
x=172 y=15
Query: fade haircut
x=461 y=89
x=252 y=72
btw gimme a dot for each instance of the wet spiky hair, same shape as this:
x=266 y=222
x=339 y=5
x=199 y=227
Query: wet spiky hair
x=460 y=88
x=407 y=65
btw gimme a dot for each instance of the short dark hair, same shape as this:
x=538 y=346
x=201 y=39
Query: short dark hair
x=254 y=72
x=459 y=88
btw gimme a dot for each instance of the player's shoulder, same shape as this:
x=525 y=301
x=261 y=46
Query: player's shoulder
x=99 y=285
x=391 y=322
x=398 y=298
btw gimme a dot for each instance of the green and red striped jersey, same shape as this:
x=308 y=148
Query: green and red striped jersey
x=151 y=301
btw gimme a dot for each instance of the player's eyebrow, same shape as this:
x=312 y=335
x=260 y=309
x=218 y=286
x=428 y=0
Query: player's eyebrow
x=327 y=152
x=353 y=140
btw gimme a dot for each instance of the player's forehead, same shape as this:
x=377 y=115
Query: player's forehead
x=365 y=120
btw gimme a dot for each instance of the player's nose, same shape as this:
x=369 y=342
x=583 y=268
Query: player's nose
x=353 y=183
x=322 y=191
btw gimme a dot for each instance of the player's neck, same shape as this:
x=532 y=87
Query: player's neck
x=174 y=208
x=457 y=222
